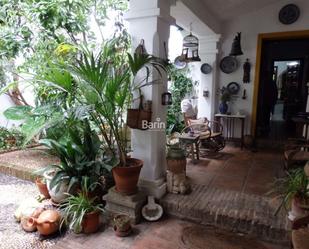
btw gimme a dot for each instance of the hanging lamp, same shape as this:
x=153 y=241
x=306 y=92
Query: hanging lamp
x=190 y=47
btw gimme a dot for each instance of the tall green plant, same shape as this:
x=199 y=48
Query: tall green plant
x=81 y=158
x=181 y=85
x=103 y=85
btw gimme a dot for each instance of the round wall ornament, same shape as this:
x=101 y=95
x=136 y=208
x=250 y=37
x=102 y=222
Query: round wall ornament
x=228 y=64
x=289 y=14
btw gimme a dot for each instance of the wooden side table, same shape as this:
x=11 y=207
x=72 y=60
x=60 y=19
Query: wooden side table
x=187 y=139
x=229 y=122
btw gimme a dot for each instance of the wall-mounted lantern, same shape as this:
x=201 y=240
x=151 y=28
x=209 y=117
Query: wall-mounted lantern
x=206 y=93
x=167 y=98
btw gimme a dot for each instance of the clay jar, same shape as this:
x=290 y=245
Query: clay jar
x=47 y=223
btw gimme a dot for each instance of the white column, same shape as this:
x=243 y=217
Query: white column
x=150 y=20
x=208 y=53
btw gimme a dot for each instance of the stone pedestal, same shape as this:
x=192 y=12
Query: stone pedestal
x=177 y=183
x=131 y=205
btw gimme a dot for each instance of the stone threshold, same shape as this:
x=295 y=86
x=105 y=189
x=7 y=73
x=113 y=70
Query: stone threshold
x=17 y=171
x=231 y=211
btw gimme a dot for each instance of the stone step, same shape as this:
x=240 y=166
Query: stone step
x=230 y=210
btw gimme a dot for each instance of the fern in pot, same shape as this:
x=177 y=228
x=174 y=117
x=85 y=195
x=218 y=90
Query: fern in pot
x=293 y=192
x=81 y=213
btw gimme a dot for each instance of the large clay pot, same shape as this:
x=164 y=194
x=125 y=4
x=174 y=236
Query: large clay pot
x=42 y=188
x=126 y=178
x=59 y=195
x=91 y=222
x=47 y=223
x=176 y=160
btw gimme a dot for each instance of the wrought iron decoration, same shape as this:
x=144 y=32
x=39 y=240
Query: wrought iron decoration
x=247 y=69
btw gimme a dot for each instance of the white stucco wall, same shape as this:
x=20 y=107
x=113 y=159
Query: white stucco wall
x=264 y=20
x=5 y=102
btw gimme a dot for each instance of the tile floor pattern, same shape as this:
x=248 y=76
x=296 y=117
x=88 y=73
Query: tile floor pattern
x=239 y=170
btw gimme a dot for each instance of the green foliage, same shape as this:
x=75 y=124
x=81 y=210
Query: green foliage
x=102 y=86
x=35 y=119
x=81 y=159
x=225 y=95
x=294 y=184
x=10 y=138
x=36 y=29
x=181 y=85
x=77 y=206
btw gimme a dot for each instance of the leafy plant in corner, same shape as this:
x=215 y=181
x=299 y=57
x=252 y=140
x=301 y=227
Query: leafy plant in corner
x=181 y=85
x=293 y=185
x=77 y=209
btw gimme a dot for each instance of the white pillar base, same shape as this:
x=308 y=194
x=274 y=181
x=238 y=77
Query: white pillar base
x=155 y=188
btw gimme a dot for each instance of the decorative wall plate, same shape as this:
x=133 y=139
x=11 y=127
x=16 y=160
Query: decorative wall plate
x=179 y=64
x=228 y=64
x=233 y=87
x=289 y=14
x=206 y=68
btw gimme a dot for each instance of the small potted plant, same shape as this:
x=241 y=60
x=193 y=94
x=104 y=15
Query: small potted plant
x=293 y=192
x=81 y=212
x=225 y=97
x=122 y=225
x=175 y=156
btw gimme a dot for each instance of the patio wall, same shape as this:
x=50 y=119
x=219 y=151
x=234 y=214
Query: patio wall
x=264 y=20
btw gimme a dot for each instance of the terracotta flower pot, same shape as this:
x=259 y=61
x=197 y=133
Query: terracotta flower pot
x=122 y=225
x=176 y=160
x=296 y=208
x=42 y=188
x=91 y=222
x=126 y=178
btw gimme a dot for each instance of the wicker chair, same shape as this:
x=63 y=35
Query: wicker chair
x=296 y=153
x=211 y=134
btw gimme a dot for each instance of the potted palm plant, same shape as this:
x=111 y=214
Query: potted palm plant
x=81 y=212
x=293 y=192
x=103 y=83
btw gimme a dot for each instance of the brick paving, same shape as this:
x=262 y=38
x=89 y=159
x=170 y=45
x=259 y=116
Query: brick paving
x=164 y=234
x=229 y=192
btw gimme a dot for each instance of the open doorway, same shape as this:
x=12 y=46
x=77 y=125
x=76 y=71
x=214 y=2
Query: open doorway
x=282 y=87
x=287 y=77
